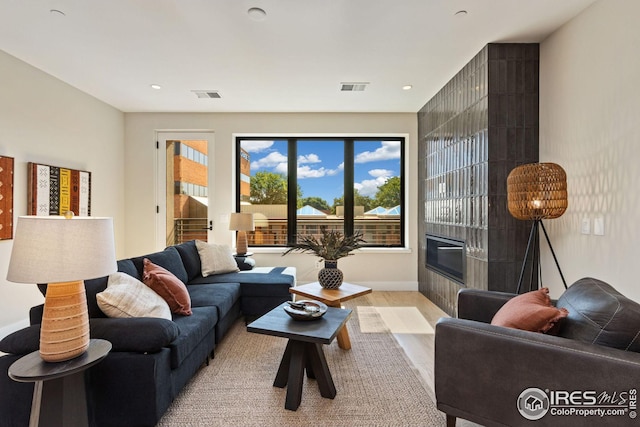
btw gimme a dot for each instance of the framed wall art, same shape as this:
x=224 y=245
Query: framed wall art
x=54 y=190
x=6 y=198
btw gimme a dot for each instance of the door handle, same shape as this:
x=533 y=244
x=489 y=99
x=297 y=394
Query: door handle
x=210 y=227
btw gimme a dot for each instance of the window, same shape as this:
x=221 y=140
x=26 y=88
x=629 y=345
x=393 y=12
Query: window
x=295 y=185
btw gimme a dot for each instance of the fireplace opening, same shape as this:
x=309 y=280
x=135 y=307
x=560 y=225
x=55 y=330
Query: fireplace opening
x=446 y=256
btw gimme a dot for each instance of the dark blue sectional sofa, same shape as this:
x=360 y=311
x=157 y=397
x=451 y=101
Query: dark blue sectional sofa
x=152 y=359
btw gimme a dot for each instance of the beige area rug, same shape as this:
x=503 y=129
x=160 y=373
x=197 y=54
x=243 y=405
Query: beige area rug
x=375 y=383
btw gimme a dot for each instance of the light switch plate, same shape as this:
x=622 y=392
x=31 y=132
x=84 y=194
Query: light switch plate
x=598 y=226
x=586 y=226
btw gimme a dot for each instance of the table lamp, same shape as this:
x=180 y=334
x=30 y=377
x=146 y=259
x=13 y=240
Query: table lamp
x=537 y=191
x=241 y=222
x=62 y=252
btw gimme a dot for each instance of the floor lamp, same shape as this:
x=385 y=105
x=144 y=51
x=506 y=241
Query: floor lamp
x=537 y=191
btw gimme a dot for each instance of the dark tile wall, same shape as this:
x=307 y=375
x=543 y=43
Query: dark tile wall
x=478 y=127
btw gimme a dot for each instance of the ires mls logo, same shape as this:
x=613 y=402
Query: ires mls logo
x=534 y=403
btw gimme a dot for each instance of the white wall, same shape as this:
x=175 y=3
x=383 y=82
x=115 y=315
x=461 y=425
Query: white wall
x=590 y=124
x=46 y=121
x=381 y=270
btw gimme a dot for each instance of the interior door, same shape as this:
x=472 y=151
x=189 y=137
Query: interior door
x=183 y=182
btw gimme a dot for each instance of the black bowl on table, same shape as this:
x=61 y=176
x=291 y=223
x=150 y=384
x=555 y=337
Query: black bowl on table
x=305 y=309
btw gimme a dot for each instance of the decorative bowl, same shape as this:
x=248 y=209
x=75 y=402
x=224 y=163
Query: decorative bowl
x=305 y=309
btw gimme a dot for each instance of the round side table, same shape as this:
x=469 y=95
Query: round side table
x=59 y=396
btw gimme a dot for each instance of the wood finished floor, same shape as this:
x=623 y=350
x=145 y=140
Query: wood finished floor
x=419 y=348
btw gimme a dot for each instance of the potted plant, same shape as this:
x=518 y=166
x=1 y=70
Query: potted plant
x=331 y=245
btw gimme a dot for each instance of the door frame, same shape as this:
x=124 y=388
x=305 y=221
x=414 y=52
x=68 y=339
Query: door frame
x=162 y=136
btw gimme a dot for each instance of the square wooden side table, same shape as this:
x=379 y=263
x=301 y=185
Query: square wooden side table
x=333 y=298
x=304 y=349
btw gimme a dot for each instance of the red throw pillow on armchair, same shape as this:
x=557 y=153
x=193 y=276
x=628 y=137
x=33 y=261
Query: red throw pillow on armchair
x=168 y=286
x=532 y=311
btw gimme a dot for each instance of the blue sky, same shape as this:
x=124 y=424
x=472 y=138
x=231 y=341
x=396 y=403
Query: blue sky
x=320 y=168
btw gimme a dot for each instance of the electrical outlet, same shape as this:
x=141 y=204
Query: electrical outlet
x=319 y=264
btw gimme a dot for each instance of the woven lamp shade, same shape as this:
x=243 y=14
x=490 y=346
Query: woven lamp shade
x=537 y=191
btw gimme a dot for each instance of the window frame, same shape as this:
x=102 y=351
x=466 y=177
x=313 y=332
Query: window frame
x=349 y=174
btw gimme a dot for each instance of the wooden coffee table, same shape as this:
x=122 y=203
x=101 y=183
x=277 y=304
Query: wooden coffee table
x=333 y=298
x=303 y=351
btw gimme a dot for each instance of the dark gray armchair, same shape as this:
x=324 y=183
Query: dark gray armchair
x=483 y=372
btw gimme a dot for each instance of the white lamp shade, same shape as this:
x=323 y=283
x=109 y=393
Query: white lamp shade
x=52 y=249
x=241 y=221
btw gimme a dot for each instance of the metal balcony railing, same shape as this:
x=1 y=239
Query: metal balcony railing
x=186 y=229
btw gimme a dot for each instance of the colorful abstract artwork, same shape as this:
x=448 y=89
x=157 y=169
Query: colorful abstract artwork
x=6 y=198
x=54 y=190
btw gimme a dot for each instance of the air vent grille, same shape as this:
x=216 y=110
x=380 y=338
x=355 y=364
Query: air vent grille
x=353 y=86
x=207 y=94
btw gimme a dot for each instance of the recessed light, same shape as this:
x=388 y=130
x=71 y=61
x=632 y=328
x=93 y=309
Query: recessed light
x=461 y=13
x=257 y=14
x=57 y=12
x=407 y=87
x=156 y=87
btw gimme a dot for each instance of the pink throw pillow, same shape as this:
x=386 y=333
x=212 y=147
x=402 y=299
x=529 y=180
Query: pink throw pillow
x=532 y=311
x=168 y=286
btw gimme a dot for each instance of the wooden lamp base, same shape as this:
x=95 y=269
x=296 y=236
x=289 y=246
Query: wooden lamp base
x=241 y=243
x=64 y=332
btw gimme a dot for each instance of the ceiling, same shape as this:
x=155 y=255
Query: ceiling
x=293 y=60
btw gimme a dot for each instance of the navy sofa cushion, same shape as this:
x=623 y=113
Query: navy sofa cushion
x=261 y=284
x=220 y=295
x=169 y=259
x=598 y=314
x=254 y=284
x=192 y=330
x=127 y=266
x=136 y=334
x=93 y=287
x=24 y=341
x=190 y=258
x=141 y=335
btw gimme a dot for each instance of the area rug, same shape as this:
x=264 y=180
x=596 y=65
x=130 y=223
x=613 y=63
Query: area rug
x=375 y=383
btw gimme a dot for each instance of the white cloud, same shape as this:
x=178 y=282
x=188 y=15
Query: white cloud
x=311 y=158
x=255 y=146
x=384 y=173
x=308 y=172
x=281 y=168
x=369 y=187
x=388 y=150
x=278 y=163
x=271 y=160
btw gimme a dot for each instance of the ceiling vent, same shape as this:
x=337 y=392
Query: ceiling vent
x=353 y=87
x=207 y=93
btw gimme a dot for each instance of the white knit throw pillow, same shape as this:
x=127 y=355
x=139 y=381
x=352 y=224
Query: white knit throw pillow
x=216 y=259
